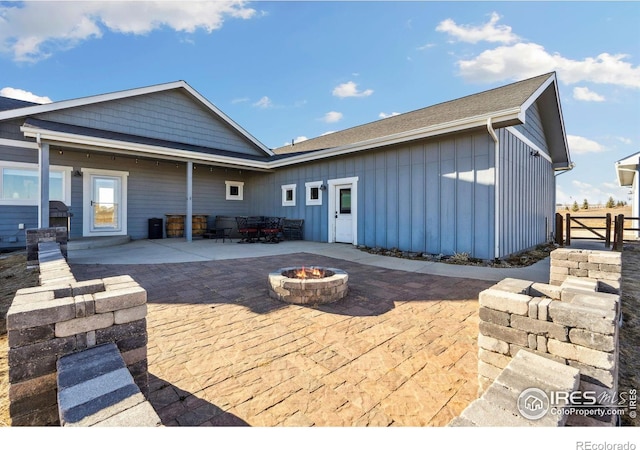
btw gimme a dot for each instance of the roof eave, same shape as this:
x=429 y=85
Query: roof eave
x=501 y=117
x=135 y=149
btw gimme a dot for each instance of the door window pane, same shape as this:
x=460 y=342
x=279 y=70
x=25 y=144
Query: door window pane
x=345 y=201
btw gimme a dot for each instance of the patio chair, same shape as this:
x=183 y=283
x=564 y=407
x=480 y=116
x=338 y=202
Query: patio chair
x=272 y=229
x=247 y=229
x=292 y=228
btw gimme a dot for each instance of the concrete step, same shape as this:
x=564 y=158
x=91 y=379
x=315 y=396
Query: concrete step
x=85 y=243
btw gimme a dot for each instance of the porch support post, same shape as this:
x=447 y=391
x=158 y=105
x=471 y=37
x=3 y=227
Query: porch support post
x=43 y=201
x=188 y=219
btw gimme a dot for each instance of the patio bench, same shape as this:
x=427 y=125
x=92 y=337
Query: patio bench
x=292 y=229
x=217 y=233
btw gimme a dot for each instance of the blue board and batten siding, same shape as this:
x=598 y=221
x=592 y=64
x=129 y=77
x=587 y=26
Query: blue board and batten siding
x=432 y=196
x=527 y=186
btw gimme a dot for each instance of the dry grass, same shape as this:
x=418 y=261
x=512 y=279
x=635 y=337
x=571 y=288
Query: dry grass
x=13 y=276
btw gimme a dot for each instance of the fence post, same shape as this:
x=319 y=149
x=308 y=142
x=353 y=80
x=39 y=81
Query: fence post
x=619 y=233
x=559 y=230
x=568 y=222
x=607 y=241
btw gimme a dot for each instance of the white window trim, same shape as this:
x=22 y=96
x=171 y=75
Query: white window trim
x=285 y=188
x=66 y=182
x=308 y=186
x=239 y=185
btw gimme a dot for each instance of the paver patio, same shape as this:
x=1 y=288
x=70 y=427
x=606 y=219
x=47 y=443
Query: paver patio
x=400 y=350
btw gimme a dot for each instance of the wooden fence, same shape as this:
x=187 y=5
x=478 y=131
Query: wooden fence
x=603 y=231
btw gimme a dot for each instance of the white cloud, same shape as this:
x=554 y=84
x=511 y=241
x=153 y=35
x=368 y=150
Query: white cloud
x=579 y=145
x=587 y=95
x=332 y=117
x=31 y=31
x=350 y=89
x=490 y=31
x=384 y=115
x=426 y=46
x=240 y=100
x=624 y=140
x=525 y=60
x=21 y=94
x=264 y=103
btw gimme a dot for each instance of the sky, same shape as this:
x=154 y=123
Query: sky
x=291 y=70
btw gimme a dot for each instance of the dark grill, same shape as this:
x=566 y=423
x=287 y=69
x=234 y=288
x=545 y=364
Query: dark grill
x=59 y=214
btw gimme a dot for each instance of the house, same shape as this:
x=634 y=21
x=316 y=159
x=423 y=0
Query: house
x=473 y=175
x=627 y=171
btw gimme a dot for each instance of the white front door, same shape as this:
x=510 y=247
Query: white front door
x=344 y=220
x=343 y=210
x=105 y=205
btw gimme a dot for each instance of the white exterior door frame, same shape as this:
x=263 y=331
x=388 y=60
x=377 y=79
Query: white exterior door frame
x=88 y=175
x=331 y=194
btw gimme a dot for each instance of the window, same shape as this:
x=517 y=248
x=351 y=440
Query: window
x=19 y=184
x=314 y=193
x=235 y=190
x=289 y=195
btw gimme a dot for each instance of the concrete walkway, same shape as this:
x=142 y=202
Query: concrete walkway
x=164 y=251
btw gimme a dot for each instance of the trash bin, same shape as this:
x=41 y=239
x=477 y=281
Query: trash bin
x=155 y=228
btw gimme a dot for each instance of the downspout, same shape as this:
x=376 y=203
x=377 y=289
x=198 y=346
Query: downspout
x=494 y=136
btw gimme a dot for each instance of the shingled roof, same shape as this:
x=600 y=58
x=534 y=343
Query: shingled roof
x=484 y=103
x=7 y=103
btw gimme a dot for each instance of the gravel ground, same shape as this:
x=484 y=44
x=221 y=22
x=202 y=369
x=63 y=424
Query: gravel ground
x=13 y=276
x=629 y=377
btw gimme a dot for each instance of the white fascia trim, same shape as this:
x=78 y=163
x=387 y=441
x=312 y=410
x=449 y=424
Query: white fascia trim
x=19 y=144
x=227 y=119
x=529 y=142
x=538 y=92
x=115 y=146
x=534 y=97
x=420 y=133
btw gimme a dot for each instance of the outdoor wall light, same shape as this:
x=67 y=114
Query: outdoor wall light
x=535 y=153
x=323 y=187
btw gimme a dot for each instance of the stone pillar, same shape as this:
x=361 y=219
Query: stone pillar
x=63 y=316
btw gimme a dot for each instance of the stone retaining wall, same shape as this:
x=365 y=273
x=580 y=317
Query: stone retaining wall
x=570 y=321
x=63 y=316
x=37 y=235
x=602 y=266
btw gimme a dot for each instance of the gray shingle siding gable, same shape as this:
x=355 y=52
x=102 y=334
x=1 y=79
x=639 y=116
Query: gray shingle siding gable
x=533 y=128
x=168 y=115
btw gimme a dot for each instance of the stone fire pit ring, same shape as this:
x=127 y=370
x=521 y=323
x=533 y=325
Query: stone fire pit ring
x=308 y=291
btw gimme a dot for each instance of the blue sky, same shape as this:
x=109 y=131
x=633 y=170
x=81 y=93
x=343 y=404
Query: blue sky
x=294 y=70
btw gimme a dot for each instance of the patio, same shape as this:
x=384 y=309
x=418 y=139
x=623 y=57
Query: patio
x=400 y=350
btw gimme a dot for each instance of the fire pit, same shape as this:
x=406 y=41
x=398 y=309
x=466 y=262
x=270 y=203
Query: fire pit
x=308 y=286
